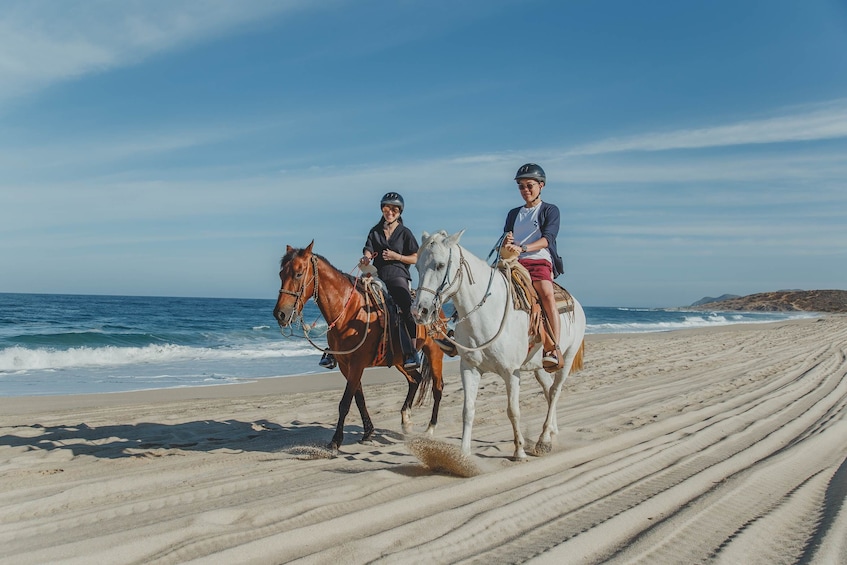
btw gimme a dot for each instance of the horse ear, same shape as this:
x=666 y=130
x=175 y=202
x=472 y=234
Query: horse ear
x=424 y=238
x=309 y=247
x=288 y=249
x=454 y=239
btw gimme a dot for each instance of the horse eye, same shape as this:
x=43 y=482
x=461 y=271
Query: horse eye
x=298 y=276
x=439 y=266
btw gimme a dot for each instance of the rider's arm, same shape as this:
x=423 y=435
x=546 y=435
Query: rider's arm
x=368 y=252
x=550 y=227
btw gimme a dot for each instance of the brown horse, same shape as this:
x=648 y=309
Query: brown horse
x=356 y=335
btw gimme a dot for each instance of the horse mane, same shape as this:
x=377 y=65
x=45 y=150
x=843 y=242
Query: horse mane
x=286 y=258
x=442 y=235
x=291 y=254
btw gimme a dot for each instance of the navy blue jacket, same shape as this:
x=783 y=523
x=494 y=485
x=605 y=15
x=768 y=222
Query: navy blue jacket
x=549 y=218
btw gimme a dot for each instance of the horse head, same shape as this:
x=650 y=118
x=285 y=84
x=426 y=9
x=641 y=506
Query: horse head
x=297 y=283
x=438 y=265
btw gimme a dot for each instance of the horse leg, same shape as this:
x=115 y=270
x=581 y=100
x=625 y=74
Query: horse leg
x=470 y=385
x=544 y=379
x=513 y=391
x=551 y=426
x=437 y=389
x=343 y=410
x=367 y=424
x=436 y=365
x=545 y=440
x=406 y=410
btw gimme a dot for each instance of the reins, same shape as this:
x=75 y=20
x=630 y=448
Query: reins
x=299 y=310
x=346 y=303
x=440 y=295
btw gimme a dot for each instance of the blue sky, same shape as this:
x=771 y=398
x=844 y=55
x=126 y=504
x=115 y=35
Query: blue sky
x=175 y=148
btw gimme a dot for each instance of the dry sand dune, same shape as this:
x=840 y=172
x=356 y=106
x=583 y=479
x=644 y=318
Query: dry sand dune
x=726 y=445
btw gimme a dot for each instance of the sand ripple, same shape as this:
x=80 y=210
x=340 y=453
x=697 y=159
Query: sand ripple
x=724 y=445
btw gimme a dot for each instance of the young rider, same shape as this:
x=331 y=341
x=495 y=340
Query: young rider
x=392 y=247
x=531 y=230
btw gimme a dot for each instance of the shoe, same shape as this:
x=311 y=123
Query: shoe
x=413 y=361
x=447 y=347
x=550 y=360
x=328 y=361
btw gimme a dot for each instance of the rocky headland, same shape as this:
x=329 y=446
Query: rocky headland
x=781 y=301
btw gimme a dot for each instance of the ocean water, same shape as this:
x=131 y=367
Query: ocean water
x=73 y=344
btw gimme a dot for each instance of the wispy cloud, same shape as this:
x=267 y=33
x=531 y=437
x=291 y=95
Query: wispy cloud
x=817 y=122
x=821 y=167
x=44 y=42
x=93 y=149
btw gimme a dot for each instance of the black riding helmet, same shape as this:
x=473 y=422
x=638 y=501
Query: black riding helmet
x=531 y=171
x=393 y=199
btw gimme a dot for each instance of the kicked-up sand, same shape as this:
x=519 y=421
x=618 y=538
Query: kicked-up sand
x=726 y=445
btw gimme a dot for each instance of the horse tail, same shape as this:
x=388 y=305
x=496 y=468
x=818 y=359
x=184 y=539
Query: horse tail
x=578 y=359
x=425 y=386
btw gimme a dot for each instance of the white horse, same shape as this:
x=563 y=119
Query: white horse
x=491 y=336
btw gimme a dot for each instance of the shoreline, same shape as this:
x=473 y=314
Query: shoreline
x=308 y=382
x=68 y=360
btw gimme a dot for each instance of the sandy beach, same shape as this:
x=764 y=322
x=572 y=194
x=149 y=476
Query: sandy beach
x=724 y=445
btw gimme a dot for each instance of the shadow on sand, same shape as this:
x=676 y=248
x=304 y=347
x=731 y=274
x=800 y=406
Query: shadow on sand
x=113 y=442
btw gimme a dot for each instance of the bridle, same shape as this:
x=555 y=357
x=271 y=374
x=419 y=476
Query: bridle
x=298 y=296
x=300 y=302
x=440 y=295
x=444 y=293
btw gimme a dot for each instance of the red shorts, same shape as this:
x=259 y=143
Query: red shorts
x=539 y=269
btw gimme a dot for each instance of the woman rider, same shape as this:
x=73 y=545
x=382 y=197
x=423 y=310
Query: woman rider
x=531 y=230
x=392 y=247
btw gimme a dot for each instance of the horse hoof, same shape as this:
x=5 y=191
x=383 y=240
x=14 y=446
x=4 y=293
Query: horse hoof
x=543 y=448
x=366 y=441
x=408 y=428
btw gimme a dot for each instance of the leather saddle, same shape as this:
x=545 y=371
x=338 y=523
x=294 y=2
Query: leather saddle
x=376 y=292
x=524 y=297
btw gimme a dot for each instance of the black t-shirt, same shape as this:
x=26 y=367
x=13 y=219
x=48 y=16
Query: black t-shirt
x=402 y=241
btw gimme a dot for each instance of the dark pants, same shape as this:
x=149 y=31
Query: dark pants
x=399 y=291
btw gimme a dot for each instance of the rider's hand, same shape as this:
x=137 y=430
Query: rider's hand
x=365 y=260
x=509 y=240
